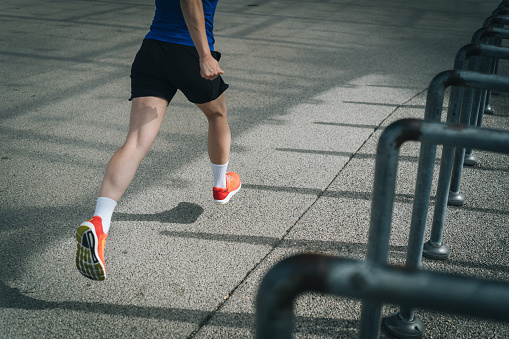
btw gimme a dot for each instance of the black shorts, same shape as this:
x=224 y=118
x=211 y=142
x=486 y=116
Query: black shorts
x=161 y=68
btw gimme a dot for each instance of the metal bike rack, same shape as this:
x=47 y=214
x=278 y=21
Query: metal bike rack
x=468 y=57
x=494 y=21
x=372 y=280
x=466 y=105
x=405 y=324
x=498 y=21
x=499 y=18
x=448 y=191
x=473 y=100
x=405 y=321
x=491 y=35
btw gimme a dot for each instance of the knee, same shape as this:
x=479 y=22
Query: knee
x=216 y=115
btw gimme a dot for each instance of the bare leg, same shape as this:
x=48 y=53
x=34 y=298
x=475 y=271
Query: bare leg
x=146 y=117
x=219 y=136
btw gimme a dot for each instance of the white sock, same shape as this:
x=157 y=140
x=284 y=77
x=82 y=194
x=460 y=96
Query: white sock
x=219 y=174
x=104 y=209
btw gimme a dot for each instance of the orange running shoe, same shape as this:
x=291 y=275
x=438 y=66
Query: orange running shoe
x=223 y=195
x=90 y=252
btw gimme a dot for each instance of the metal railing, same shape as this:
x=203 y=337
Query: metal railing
x=466 y=106
x=494 y=21
x=371 y=280
x=463 y=100
x=468 y=57
x=472 y=81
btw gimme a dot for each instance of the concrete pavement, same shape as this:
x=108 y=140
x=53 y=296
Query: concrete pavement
x=313 y=83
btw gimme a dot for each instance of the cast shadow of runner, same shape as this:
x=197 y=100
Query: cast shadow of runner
x=183 y=213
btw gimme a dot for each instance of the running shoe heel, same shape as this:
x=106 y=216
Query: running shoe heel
x=223 y=195
x=90 y=250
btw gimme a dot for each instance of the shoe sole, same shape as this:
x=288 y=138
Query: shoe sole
x=225 y=200
x=87 y=256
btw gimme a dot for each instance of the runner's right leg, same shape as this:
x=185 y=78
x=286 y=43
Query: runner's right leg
x=146 y=117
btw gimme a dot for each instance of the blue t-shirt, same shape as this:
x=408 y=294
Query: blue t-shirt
x=169 y=24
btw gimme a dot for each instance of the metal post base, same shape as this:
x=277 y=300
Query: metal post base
x=436 y=252
x=456 y=199
x=405 y=329
x=470 y=160
x=489 y=110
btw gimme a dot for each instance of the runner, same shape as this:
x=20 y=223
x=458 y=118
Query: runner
x=177 y=54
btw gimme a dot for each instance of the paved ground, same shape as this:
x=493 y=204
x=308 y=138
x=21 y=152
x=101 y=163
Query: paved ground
x=313 y=83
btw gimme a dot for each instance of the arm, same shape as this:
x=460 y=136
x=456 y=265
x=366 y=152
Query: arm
x=195 y=21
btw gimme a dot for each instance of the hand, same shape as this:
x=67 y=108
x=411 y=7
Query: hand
x=209 y=68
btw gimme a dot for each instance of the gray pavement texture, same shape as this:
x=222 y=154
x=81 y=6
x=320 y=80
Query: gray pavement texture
x=313 y=83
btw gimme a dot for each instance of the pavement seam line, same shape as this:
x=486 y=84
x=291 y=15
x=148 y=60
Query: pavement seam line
x=319 y=195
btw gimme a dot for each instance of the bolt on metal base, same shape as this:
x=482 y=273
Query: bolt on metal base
x=470 y=160
x=489 y=110
x=436 y=252
x=456 y=199
x=404 y=329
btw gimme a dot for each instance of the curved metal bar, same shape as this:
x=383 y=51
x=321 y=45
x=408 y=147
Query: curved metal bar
x=374 y=283
x=478 y=49
x=490 y=32
x=496 y=20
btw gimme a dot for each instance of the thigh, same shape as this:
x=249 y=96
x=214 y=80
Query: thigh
x=146 y=116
